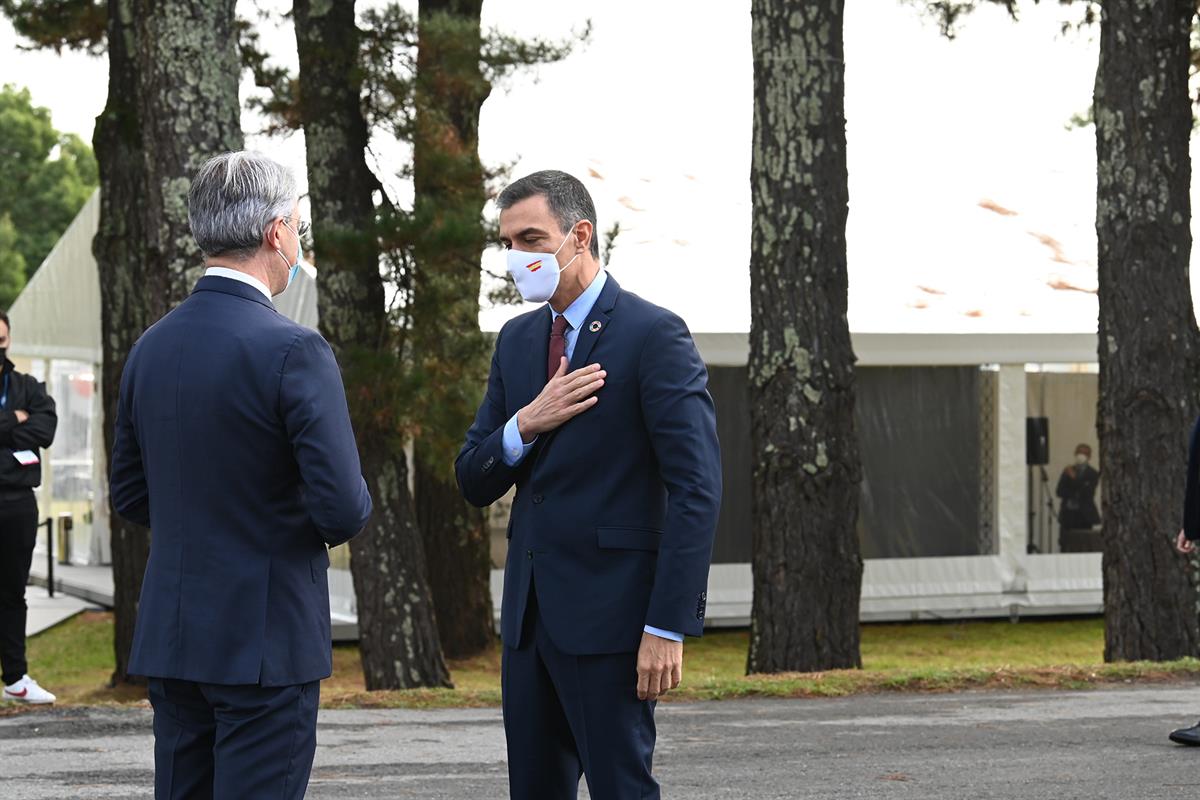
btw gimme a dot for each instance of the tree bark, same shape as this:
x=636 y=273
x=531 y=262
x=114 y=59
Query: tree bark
x=172 y=103
x=458 y=544
x=807 y=567
x=449 y=198
x=1149 y=365
x=398 y=636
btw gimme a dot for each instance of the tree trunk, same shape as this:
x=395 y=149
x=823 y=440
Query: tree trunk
x=1149 y=365
x=807 y=567
x=172 y=103
x=458 y=545
x=396 y=621
x=449 y=199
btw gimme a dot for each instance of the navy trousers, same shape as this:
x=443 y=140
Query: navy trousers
x=567 y=716
x=233 y=742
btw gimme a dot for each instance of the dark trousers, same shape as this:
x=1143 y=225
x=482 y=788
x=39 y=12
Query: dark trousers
x=18 y=534
x=233 y=742
x=567 y=716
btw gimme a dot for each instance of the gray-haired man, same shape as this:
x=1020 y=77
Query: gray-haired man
x=233 y=443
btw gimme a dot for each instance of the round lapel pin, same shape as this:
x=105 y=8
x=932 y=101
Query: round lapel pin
x=595 y=326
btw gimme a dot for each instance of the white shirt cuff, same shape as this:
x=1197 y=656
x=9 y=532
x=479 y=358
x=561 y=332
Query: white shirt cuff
x=660 y=633
x=514 y=448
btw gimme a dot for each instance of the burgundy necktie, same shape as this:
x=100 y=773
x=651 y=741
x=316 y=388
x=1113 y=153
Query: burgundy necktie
x=558 y=344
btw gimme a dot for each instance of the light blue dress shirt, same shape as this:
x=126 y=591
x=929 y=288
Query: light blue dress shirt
x=515 y=449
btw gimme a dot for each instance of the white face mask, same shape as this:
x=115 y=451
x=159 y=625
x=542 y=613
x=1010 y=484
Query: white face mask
x=293 y=266
x=1081 y=459
x=537 y=274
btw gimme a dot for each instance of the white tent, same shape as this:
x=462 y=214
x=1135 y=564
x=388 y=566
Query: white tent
x=1008 y=580
x=56 y=325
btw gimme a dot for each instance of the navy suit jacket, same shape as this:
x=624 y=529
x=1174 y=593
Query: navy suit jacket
x=233 y=444
x=1191 y=503
x=615 y=512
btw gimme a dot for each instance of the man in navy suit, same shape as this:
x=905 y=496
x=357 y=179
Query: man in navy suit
x=233 y=444
x=597 y=409
x=1185 y=543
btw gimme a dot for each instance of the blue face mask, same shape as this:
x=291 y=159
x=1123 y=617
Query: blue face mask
x=293 y=266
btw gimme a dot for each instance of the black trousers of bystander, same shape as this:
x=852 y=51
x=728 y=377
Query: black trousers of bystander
x=18 y=534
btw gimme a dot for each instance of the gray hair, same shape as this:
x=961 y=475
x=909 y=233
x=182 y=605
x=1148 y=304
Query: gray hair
x=234 y=197
x=566 y=195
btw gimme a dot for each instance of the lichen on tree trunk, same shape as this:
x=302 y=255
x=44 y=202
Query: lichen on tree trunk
x=1149 y=365
x=806 y=563
x=397 y=625
x=172 y=103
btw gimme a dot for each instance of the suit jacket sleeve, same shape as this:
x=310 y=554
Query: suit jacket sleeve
x=483 y=476
x=128 y=489
x=1191 y=503
x=682 y=424
x=37 y=431
x=317 y=420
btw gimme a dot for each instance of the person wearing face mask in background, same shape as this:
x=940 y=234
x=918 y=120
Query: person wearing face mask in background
x=1077 y=490
x=27 y=424
x=233 y=444
x=597 y=410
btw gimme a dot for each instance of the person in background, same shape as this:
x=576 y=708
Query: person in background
x=27 y=424
x=1077 y=489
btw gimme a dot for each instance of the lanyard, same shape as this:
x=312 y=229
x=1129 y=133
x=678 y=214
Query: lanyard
x=4 y=396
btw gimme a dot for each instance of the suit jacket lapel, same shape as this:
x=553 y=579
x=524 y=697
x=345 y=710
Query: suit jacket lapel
x=539 y=352
x=596 y=324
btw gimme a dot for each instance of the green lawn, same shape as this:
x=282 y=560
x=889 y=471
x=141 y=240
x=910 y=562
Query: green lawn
x=990 y=644
x=75 y=661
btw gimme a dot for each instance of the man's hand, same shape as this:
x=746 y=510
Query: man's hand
x=1184 y=545
x=22 y=417
x=565 y=396
x=659 y=666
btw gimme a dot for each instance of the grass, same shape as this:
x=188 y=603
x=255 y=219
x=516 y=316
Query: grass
x=75 y=660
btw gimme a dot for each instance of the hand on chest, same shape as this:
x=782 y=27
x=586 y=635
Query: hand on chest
x=526 y=374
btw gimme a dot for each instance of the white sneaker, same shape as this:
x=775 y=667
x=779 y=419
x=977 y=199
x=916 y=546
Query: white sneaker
x=27 y=690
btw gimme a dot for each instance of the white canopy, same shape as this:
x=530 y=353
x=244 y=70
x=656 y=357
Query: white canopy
x=58 y=313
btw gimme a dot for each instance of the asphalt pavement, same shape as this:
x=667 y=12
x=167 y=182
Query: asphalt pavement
x=1104 y=743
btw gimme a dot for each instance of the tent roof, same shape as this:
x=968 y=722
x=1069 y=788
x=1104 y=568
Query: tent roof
x=58 y=313
x=928 y=349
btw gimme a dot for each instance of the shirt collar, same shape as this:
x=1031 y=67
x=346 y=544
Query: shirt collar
x=241 y=277
x=577 y=312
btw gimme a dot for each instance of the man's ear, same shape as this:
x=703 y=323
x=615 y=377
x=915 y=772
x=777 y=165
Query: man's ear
x=588 y=230
x=271 y=236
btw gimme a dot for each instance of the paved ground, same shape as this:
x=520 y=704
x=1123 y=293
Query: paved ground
x=45 y=612
x=1052 y=745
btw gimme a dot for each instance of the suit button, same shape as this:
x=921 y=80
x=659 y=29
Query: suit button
x=529 y=554
x=537 y=499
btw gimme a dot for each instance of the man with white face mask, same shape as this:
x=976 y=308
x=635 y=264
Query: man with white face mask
x=597 y=409
x=233 y=444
